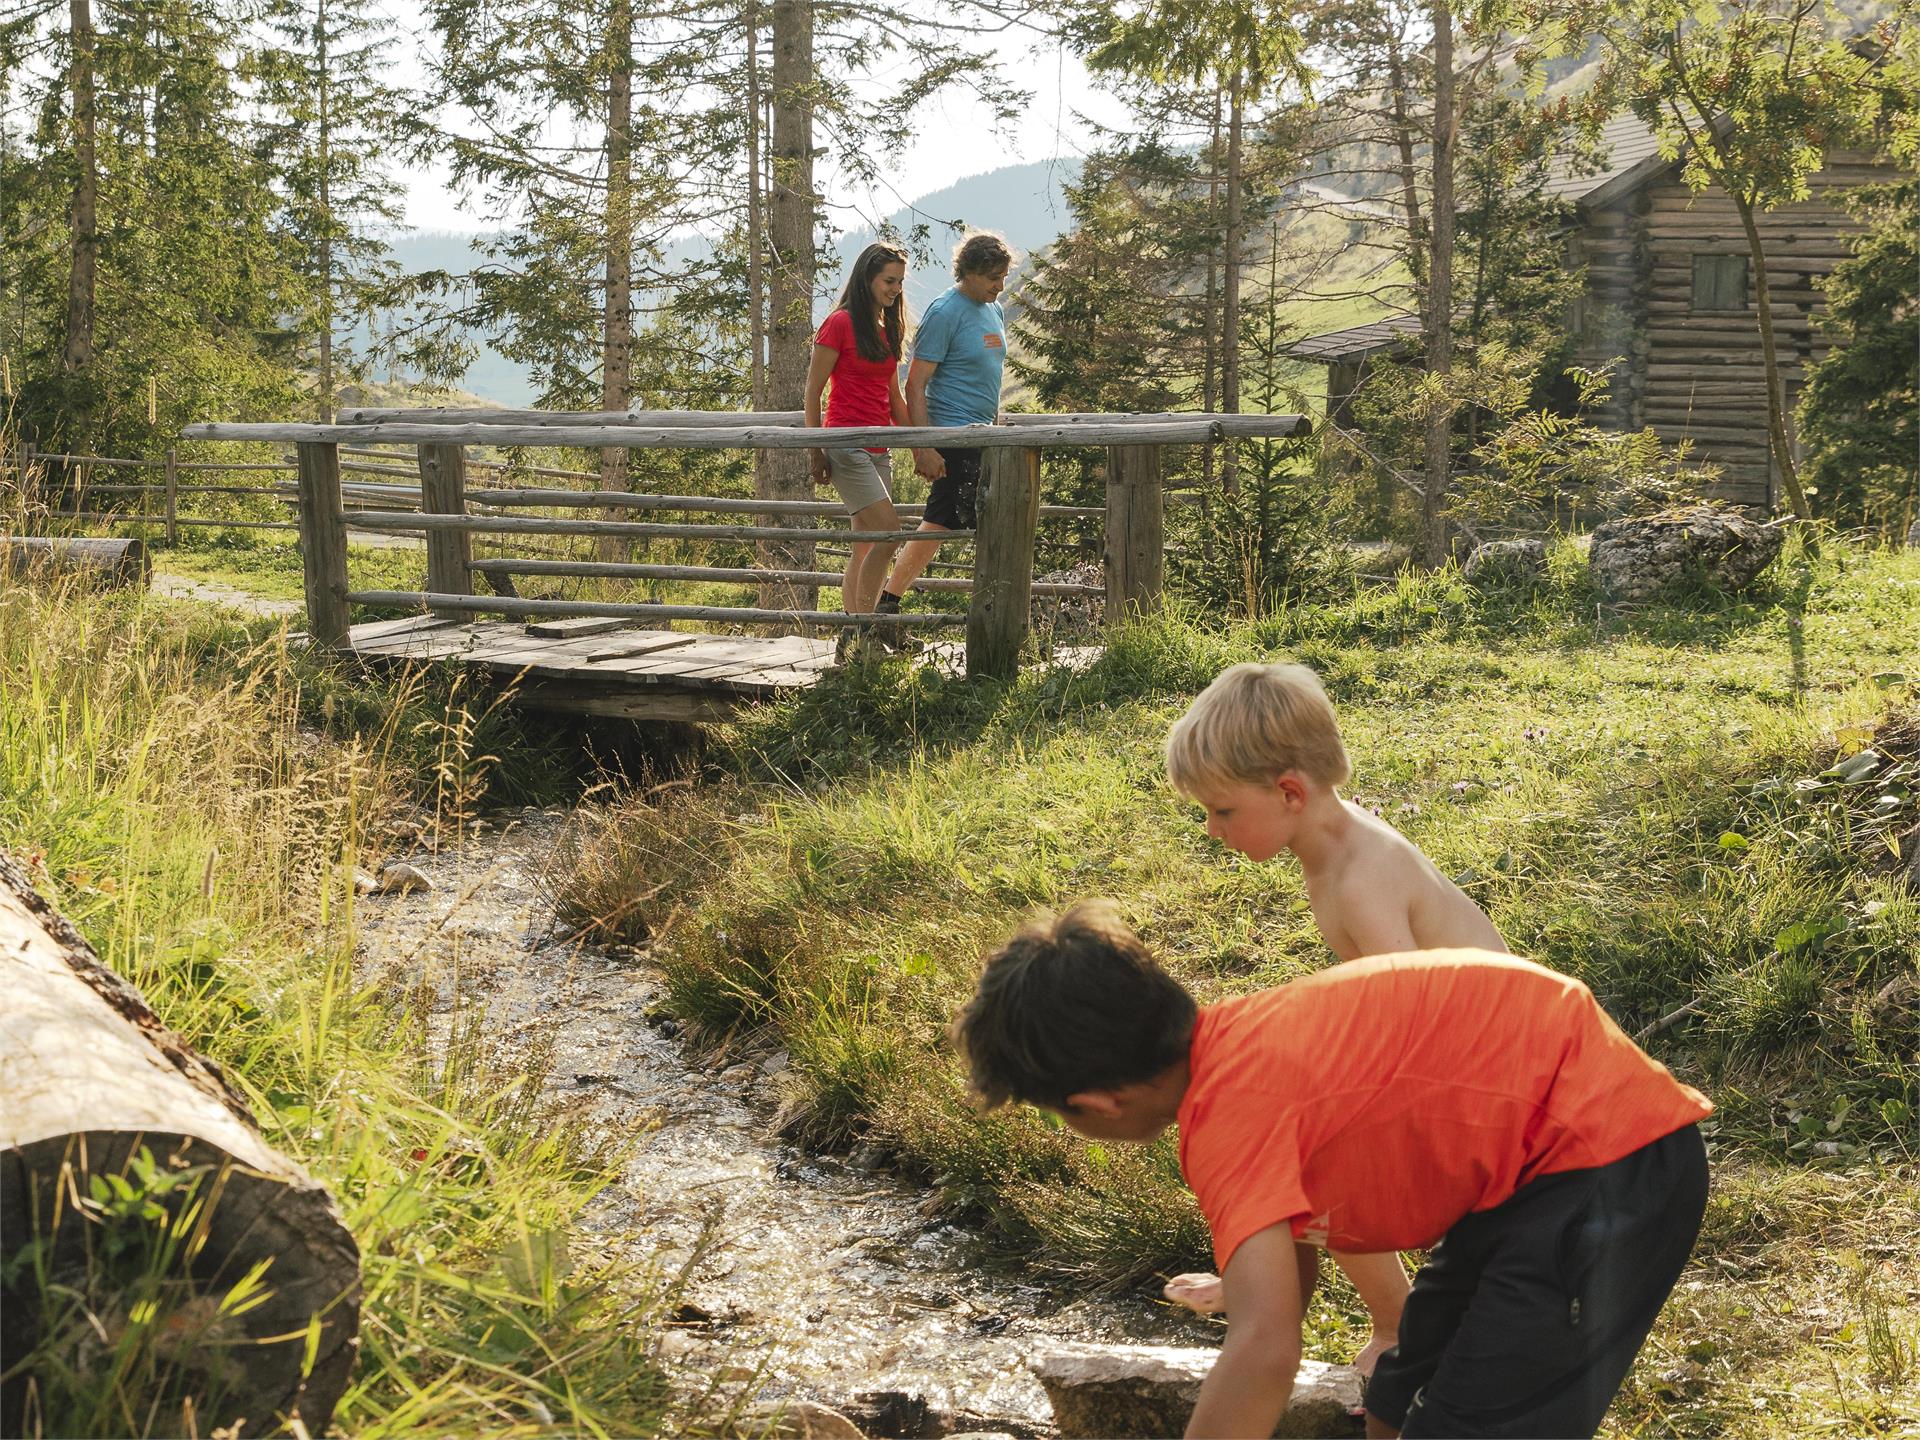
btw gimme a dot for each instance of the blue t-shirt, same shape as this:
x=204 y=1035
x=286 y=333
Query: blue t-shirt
x=968 y=341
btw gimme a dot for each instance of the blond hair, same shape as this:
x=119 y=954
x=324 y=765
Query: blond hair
x=1255 y=722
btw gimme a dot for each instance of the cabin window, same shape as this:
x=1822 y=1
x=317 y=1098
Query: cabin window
x=1719 y=282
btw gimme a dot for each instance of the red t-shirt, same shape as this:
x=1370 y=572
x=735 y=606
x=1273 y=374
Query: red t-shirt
x=1376 y=1103
x=858 y=391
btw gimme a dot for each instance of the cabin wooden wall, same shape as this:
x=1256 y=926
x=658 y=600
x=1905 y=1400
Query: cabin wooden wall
x=1694 y=374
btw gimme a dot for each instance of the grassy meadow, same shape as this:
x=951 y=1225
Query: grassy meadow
x=168 y=779
x=1691 y=807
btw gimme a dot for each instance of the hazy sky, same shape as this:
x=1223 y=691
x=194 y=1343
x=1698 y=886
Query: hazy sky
x=953 y=136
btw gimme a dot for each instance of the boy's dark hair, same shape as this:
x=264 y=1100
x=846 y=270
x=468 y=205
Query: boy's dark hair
x=1073 y=1002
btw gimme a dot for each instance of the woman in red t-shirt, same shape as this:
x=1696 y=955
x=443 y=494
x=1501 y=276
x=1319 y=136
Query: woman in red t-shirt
x=856 y=361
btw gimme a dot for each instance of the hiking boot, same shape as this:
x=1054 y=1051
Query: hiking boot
x=856 y=646
x=899 y=639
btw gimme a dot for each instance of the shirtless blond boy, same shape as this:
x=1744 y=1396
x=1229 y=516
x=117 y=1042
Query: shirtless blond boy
x=1261 y=751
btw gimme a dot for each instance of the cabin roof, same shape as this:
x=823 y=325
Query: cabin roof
x=1356 y=342
x=1629 y=157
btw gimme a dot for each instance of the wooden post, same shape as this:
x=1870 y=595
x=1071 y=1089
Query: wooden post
x=323 y=543
x=998 y=615
x=173 y=496
x=443 y=491
x=1136 y=531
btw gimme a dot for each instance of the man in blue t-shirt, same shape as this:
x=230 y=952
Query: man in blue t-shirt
x=958 y=354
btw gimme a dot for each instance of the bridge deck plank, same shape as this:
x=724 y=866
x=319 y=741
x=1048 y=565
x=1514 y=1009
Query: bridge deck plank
x=645 y=674
x=636 y=672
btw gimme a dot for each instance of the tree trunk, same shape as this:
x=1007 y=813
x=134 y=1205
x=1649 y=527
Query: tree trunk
x=1439 y=317
x=616 y=365
x=1209 y=330
x=790 y=236
x=756 y=246
x=1780 y=442
x=110 y=564
x=324 y=85
x=77 y=354
x=1403 y=138
x=1230 y=274
x=89 y=1078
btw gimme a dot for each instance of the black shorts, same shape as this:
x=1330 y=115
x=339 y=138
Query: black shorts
x=952 y=502
x=1526 y=1317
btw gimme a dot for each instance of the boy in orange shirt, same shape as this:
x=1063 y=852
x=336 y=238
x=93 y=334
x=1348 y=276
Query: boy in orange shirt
x=1468 y=1101
x=1260 y=750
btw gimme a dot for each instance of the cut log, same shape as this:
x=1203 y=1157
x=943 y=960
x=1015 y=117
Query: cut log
x=109 y=563
x=1122 y=1391
x=90 y=1082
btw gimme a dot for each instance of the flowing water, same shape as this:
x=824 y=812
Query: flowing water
x=806 y=1275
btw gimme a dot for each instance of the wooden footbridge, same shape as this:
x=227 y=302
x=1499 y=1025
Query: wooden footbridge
x=624 y=657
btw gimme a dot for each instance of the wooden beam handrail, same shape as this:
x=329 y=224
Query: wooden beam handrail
x=1235 y=423
x=455 y=415
x=715 y=504
x=742 y=614
x=764 y=437
x=637 y=570
x=540 y=525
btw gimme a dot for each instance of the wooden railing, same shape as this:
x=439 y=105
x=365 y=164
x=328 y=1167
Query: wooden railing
x=1001 y=583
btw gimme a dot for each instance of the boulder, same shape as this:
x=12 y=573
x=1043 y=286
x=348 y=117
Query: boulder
x=1507 y=562
x=796 y=1420
x=1128 y=1391
x=1640 y=559
x=397 y=878
x=1913 y=536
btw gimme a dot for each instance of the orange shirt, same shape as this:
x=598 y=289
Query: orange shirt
x=1376 y=1103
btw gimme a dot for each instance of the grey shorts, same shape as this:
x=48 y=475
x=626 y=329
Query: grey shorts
x=861 y=477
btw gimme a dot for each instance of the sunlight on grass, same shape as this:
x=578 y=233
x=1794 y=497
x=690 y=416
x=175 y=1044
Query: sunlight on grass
x=155 y=777
x=1579 y=771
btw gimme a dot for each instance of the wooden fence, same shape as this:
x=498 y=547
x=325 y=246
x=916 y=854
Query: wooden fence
x=434 y=499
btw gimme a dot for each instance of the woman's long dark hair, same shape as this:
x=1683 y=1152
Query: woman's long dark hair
x=857 y=300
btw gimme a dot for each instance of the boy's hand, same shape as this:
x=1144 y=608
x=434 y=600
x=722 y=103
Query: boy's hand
x=1376 y=1346
x=1198 y=1292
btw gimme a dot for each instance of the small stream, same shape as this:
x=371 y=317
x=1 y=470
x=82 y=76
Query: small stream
x=819 y=1278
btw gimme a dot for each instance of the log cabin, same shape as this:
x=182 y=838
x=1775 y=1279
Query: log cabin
x=1669 y=293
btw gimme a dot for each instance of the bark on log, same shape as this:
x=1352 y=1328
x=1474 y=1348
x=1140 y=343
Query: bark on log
x=111 y=564
x=88 y=1078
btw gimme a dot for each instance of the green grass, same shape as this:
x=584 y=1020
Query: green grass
x=156 y=777
x=271 y=568
x=1636 y=797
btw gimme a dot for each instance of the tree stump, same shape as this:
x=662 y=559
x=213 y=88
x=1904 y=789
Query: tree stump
x=108 y=563
x=132 y=1172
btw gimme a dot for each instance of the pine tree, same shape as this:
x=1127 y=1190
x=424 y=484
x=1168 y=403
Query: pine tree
x=334 y=121
x=1860 y=413
x=142 y=127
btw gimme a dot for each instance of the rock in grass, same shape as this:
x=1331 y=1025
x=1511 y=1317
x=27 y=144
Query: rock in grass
x=797 y=1420
x=1123 y=1391
x=1506 y=562
x=1706 y=545
x=397 y=878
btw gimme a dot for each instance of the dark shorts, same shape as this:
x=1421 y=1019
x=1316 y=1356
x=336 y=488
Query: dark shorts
x=1526 y=1317
x=951 y=502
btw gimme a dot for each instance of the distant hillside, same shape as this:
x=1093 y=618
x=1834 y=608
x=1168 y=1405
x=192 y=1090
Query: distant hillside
x=1026 y=203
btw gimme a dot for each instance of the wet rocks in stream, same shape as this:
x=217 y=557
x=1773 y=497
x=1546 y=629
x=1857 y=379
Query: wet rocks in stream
x=1135 y=1392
